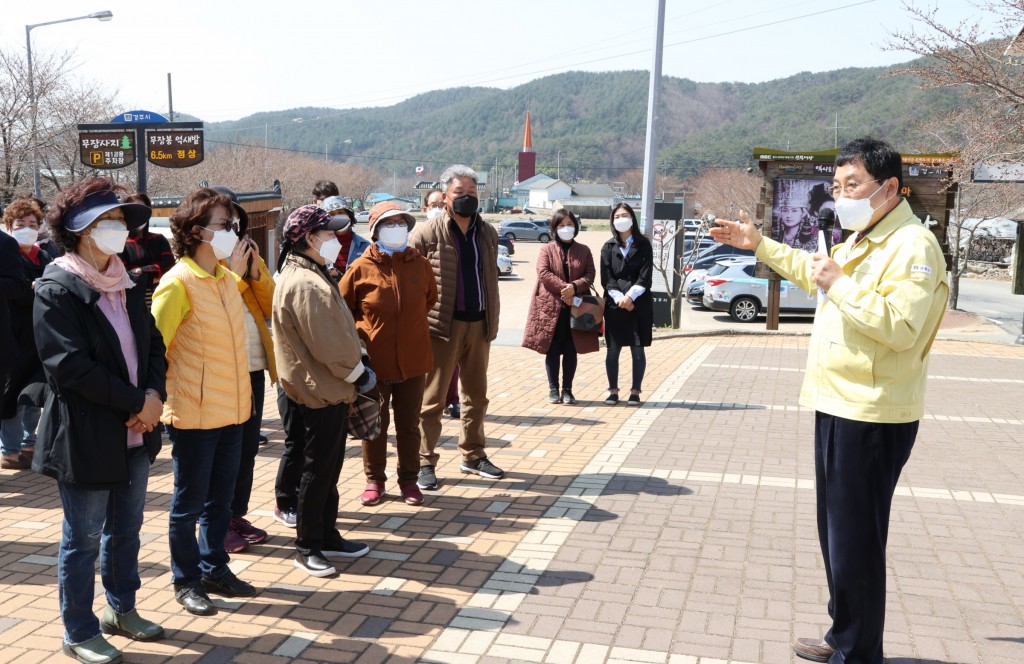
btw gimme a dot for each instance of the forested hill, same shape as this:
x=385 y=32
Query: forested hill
x=597 y=121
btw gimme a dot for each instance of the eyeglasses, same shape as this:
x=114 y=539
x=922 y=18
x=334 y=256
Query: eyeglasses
x=392 y=223
x=222 y=225
x=432 y=206
x=848 y=188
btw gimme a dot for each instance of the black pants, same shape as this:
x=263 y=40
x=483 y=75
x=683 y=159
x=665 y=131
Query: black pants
x=611 y=364
x=857 y=465
x=562 y=348
x=250 y=447
x=318 y=488
x=289 y=471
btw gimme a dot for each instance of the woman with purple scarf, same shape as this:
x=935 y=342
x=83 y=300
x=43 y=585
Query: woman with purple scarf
x=104 y=363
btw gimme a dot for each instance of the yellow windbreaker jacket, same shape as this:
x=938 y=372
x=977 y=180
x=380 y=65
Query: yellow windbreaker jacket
x=868 y=356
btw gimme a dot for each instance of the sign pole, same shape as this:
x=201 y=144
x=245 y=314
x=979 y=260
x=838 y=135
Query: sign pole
x=140 y=144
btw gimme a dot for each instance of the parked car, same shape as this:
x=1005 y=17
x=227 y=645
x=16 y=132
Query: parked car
x=160 y=226
x=508 y=243
x=525 y=229
x=504 y=261
x=694 y=284
x=744 y=296
x=363 y=217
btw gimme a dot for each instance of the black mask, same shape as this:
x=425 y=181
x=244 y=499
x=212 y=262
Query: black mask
x=465 y=206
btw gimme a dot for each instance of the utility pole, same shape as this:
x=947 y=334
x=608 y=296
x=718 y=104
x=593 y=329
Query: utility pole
x=836 y=127
x=651 y=149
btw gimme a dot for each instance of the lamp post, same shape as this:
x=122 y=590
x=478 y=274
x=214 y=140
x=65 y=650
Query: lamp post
x=102 y=16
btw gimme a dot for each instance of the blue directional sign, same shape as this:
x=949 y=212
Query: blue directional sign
x=131 y=117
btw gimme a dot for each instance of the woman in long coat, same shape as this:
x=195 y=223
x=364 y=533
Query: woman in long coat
x=627 y=263
x=565 y=270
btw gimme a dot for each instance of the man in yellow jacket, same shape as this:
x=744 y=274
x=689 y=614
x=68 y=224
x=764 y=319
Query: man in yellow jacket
x=885 y=295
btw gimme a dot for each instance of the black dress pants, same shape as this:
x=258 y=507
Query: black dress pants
x=857 y=465
x=289 y=470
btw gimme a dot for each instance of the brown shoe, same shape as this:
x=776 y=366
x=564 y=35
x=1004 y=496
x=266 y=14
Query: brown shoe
x=16 y=461
x=815 y=650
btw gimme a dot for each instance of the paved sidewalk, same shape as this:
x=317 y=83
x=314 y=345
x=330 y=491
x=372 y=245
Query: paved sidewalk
x=681 y=532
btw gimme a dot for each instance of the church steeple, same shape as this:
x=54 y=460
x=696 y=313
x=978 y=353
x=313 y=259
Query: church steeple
x=527 y=157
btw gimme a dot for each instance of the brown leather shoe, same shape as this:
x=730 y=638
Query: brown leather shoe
x=815 y=650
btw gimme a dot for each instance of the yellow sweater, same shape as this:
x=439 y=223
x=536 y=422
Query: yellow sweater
x=202 y=321
x=868 y=356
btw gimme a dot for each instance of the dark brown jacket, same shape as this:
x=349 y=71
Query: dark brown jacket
x=433 y=240
x=390 y=297
x=547 y=303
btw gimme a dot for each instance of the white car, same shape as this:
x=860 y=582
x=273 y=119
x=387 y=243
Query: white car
x=745 y=296
x=363 y=217
x=504 y=262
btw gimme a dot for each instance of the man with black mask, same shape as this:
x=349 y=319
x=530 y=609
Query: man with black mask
x=462 y=249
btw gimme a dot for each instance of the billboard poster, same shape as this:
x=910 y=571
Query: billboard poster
x=795 y=209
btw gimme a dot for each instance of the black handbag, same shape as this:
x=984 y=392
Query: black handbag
x=364 y=416
x=589 y=315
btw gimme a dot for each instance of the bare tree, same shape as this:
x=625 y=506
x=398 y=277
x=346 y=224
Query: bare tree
x=726 y=191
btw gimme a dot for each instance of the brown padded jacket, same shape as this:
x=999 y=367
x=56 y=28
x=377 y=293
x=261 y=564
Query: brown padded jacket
x=434 y=241
x=390 y=297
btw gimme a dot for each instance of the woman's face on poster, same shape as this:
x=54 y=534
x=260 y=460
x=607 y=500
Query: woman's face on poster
x=790 y=215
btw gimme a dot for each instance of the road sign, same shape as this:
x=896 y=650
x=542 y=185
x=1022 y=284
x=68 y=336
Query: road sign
x=174 y=148
x=132 y=117
x=107 y=149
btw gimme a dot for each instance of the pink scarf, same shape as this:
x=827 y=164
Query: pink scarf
x=111 y=283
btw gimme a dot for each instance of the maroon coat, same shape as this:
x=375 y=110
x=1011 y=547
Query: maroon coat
x=547 y=300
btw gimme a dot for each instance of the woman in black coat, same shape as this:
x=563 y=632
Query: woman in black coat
x=104 y=363
x=627 y=263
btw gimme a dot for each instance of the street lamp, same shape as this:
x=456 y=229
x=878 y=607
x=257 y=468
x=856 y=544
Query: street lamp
x=105 y=15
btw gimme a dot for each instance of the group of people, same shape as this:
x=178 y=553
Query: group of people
x=389 y=320
x=565 y=274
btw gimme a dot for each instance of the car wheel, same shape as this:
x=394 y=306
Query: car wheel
x=744 y=309
x=510 y=236
x=544 y=238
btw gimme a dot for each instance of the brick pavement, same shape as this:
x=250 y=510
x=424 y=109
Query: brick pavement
x=681 y=532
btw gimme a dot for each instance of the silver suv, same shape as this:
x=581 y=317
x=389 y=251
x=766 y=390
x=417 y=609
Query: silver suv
x=735 y=289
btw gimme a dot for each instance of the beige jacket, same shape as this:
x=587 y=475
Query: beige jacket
x=316 y=346
x=433 y=240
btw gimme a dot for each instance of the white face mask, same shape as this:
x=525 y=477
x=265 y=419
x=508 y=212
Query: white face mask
x=223 y=243
x=110 y=236
x=434 y=213
x=25 y=236
x=622 y=224
x=566 y=233
x=329 y=250
x=393 y=237
x=855 y=214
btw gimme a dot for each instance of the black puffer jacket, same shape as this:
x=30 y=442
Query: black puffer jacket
x=82 y=436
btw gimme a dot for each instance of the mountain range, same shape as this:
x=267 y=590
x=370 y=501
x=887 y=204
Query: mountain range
x=592 y=125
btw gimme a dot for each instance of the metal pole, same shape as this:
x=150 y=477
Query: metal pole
x=141 y=155
x=651 y=149
x=170 y=98
x=36 y=185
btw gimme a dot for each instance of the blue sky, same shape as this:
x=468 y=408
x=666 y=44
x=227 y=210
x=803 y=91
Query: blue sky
x=231 y=59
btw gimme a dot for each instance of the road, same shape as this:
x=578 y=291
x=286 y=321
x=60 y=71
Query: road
x=994 y=301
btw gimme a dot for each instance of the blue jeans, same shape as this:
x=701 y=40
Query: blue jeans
x=205 y=466
x=100 y=523
x=20 y=431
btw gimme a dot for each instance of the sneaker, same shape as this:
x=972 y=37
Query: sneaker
x=633 y=400
x=247 y=531
x=482 y=467
x=611 y=399
x=339 y=547
x=96 y=650
x=286 y=517
x=411 y=494
x=234 y=543
x=15 y=461
x=372 y=494
x=567 y=397
x=314 y=564
x=228 y=585
x=264 y=440
x=554 y=396
x=427 y=479
x=453 y=410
